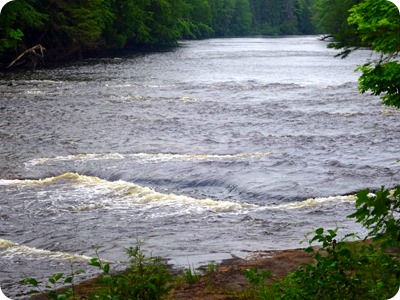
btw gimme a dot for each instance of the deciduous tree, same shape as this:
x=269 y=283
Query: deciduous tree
x=377 y=23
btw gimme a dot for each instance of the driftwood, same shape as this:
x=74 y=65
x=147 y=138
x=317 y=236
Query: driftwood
x=35 y=54
x=324 y=37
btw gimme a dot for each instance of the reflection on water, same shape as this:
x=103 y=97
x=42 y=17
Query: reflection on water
x=221 y=146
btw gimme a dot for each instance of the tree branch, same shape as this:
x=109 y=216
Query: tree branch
x=31 y=54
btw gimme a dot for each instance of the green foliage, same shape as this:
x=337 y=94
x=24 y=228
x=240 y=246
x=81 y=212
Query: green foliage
x=53 y=285
x=377 y=23
x=76 y=28
x=331 y=18
x=382 y=79
x=305 y=13
x=367 y=23
x=344 y=270
x=190 y=275
x=73 y=26
x=11 y=39
x=328 y=276
x=273 y=17
x=146 y=279
x=211 y=268
x=222 y=16
x=16 y=18
x=380 y=214
x=256 y=277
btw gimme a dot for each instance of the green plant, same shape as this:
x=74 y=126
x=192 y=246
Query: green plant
x=147 y=278
x=331 y=274
x=211 y=268
x=190 y=275
x=349 y=269
x=380 y=214
x=256 y=277
x=55 y=282
x=341 y=269
x=377 y=24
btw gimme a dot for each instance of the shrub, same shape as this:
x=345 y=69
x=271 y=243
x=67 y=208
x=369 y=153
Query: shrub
x=380 y=214
x=342 y=270
x=147 y=278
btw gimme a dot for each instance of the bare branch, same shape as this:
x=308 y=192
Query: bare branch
x=32 y=54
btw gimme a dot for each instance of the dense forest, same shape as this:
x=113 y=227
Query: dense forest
x=62 y=30
x=68 y=29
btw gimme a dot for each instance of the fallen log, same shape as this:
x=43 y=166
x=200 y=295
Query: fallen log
x=324 y=37
x=34 y=54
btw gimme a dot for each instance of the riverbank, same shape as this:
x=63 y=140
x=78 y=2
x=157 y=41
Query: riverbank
x=228 y=279
x=239 y=279
x=223 y=282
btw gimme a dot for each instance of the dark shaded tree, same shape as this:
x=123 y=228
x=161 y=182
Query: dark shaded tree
x=76 y=28
x=331 y=18
x=18 y=18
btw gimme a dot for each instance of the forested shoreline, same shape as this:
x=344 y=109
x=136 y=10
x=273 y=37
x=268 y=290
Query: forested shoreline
x=69 y=30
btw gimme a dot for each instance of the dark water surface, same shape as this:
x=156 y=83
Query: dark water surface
x=215 y=149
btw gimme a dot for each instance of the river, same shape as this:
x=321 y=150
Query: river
x=211 y=150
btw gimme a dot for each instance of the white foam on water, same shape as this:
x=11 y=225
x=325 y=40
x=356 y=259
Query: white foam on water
x=146 y=157
x=312 y=202
x=9 y=181
x=167 y=156
x=130 y=193
x=10 y=248
x=188 y=99
x=35 y=92
x=76 y=157
x=120 y=194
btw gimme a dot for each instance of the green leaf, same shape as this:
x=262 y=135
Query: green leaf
x=309 y=249
x=95 y=262
x=68 y=280
x=58 y=276
x=107 y=279
x=319 y=231
x=106 y=268
x=31 y=281
x=345 y=253
x=62 y=297
x=52 y=280
x=332 y=233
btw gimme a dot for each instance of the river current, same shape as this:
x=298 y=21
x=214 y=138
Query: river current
x=211 y=150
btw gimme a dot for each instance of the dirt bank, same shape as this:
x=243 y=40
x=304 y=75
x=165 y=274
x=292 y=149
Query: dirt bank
x=227 y=279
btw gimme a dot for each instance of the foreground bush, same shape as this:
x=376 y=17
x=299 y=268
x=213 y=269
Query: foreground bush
x=346 y=270
x=147 y=278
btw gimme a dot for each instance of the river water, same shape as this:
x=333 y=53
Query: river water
x=214 y=149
